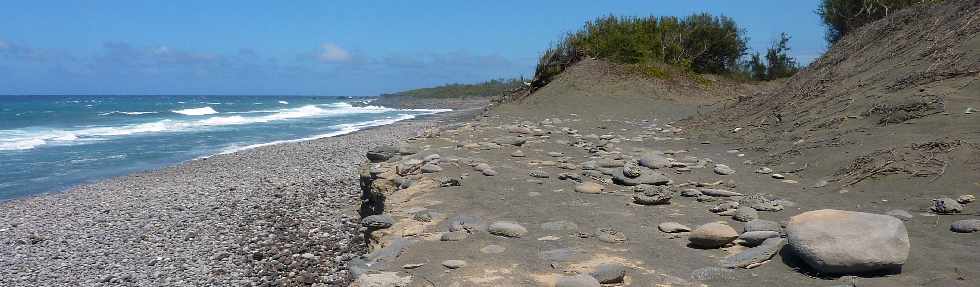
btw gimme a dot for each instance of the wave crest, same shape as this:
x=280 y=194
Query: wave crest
x=196 y=111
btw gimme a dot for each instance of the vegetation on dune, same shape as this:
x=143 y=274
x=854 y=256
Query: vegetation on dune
x=700 y=43
x=845 y=16
x=778 y=63
x=484 y=89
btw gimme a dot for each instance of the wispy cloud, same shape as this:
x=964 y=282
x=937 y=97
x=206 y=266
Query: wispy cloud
x=331 y=53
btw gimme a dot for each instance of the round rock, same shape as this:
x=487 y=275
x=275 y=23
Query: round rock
x=712 y=235
x=609 y=273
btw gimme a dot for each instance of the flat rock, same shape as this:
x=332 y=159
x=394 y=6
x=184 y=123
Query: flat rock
x=754 y=256
x=965 y=226
x=535 y=173
x=382 y=154
x=654 y=161
x=507 y=229
x=576 y=281
x=609 y=273
x=762 y=225
x=454 y=264
x=966 y=199
x=673 y=227
x=712 y=235
x=510 y=140
x=846 y=242
x=454 y=236
x=517 y=153
x=717 y=192
x=714 y=274
x=946 y=205
x=647 y=177
x=489 y=172
x=754 y=238
x=722 y=169
x=431 y=168
x=378 y=221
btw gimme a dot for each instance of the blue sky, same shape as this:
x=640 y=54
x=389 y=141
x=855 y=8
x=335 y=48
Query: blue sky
x=349 y=48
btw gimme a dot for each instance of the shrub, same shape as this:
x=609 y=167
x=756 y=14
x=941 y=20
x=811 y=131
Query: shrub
x=778 y=63
x=701 y=43
x=484 y=89
x=844 y=16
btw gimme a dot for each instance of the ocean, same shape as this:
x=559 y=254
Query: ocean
x=49 y=143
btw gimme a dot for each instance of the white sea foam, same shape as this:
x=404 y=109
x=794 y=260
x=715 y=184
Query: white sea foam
x=29 y=138
x=197 y=111
x=126 y=113
x=284 y=102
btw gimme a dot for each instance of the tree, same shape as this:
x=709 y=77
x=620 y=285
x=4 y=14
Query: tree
x=779 y=63
x=844 y=16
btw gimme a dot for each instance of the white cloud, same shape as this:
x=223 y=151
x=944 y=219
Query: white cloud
x=332 y=53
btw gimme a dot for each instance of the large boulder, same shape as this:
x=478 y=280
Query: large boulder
x=847 y=242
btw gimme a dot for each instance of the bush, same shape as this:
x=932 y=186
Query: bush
x=701 y=43
x=845 y=16
x=484 y=89
x=778 y=63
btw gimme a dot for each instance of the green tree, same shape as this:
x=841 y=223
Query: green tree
x=779 y=63
x=844 y=16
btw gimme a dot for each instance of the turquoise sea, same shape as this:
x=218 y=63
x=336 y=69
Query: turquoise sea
x=49 y=143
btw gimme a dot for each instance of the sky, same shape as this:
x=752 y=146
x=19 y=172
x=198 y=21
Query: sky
x=329 y=48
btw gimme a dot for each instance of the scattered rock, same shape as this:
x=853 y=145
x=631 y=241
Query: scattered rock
x=413 y=266
x=654 y=161
x=431 y=168
x=673 y=227
x=966 y=199
x=900 y=214
x=653 y=196
x=632 y=171
x=507 y=229
x=576 y=281
x=754 y=256
x=724 y=206
x=422 y=216
x=609 y=273
x=714 y=274
x=745 y=214
x=762 y=225
x=846 y=242
x=466 y=223
x=589 y=187
x=691 y=192
x=535 y=173
x=754 y=238
x=454 y=264
x=454 y=236
x=722 y=169
x=610 y=235
x=517 y=153
x=382 y=154
x=718 y=192
x=489 y=172
x=778 y=176
x=763 y=170
x=966 y=226
x=649 y=177
x=555 y=154
x=712 y=235
x=510 y=140
x=377 y=221
x=946 y=205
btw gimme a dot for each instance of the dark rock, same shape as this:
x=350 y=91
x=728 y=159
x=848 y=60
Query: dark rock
x=762 y=225
x=507 y=229
x=382 y=154
x=754 y=238
x=609 y=273
x=946 y=205
x=966 y=226
x=754 y=256
x=378 y=221
x=510 y=140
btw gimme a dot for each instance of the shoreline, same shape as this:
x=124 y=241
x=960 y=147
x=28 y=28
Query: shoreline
x=281 y=213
